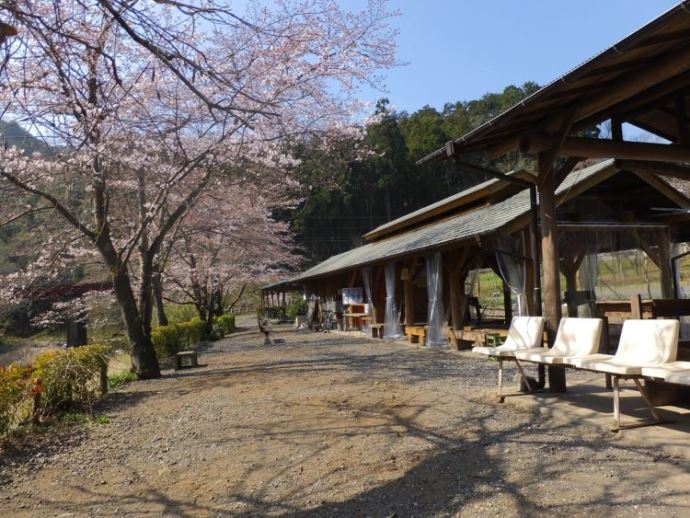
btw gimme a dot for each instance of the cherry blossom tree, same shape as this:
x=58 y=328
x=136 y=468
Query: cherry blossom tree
x=147 y=104
x=228 y=240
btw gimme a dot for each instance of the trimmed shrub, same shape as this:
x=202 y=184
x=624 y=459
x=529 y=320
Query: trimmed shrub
x=192 y=332
x=226 y=323
x=70 y=377
x=296 y=306
x=170 y=340
x=15 y=391
x=166 y=340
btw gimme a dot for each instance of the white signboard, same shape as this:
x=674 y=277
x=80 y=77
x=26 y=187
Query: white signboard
x=353 y=296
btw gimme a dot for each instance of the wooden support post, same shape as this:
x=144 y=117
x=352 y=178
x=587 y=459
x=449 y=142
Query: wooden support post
x=636 y=307
x=550 y=265
x=570 y=274
x=682 y=122
x=378 y=291
x=665 y=264
x=408 y=289
x=616 y=129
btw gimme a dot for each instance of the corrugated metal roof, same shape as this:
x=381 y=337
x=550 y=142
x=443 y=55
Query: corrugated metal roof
x=475 y=223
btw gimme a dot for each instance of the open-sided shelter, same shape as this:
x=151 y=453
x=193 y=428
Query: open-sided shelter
x=643 y=80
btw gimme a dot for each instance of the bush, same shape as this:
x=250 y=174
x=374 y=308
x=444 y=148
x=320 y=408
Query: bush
x=277 y=313
x=166 y=340
x=70 y=377
x=296 y=306
x=177 y=313
x=226 y=323
x=15 y=391
x=170 y=340
x=192 y=332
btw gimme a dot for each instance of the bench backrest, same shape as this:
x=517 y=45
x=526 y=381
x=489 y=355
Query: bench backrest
x=524 y=333
x=648 y=342
x=578 y=336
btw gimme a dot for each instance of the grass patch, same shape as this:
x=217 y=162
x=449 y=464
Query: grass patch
x=121 y=378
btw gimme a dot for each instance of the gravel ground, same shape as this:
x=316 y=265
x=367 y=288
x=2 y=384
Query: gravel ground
x=329 y=425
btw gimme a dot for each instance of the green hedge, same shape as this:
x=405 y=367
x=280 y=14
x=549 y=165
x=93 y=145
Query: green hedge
x=225 y=323
x=58 y=379
x=171 y=339
x=69 y=377
x=296 y=306
x=15 y=392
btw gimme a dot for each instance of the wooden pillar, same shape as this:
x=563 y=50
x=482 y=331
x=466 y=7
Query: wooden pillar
x=378 y=293
x=636 y=307
x=457 y=293
x=408 y=289
x=570 y=274
x=550 y=265
x=682 y=122
x=616 y=129
x=665 y=264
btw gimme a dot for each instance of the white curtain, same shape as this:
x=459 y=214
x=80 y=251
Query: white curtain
x=677 y=249
x=513 y=268
x=589 y=276
x=366 y=276
x=435 y=315
x=391 y=324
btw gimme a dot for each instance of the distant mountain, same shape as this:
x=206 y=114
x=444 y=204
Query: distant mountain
x=12 y=134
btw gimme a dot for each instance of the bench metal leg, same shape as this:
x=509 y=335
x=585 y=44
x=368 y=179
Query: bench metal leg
x=646 y=400
x=616 y=405
x=524 y=377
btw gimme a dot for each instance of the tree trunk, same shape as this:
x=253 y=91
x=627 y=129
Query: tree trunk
x=144 y=361
x=158 y=298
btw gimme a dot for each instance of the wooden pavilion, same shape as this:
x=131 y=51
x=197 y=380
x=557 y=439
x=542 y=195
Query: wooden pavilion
x=643 y=80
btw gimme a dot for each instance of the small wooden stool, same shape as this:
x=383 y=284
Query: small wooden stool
x=191 y=355
x=376 y=330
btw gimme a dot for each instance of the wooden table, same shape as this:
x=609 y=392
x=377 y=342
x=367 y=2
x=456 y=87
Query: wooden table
x=355 y=320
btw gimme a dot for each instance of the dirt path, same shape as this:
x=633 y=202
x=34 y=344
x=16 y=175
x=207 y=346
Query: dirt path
x=327 y=425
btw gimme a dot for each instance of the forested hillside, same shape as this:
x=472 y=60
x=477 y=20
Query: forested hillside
x=387 y=183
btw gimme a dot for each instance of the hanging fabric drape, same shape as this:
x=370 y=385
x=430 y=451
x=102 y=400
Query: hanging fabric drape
x=366 y=276
x=589 y=276
x=391 y=324
x=435 y=315
x=311 y=307
x=677 y=249
x=513 y=269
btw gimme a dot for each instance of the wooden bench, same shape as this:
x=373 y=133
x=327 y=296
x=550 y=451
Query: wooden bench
x=416 y=334
x=376 y=330
x=186 y=355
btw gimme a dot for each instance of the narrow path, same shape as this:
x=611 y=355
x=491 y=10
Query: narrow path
x=327 y=425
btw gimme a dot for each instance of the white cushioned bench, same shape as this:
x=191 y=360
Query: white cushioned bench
x=576 y=338
x=645 y=346
x=524 y=333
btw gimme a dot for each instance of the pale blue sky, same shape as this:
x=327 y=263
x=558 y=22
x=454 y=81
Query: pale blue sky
x=461 y=49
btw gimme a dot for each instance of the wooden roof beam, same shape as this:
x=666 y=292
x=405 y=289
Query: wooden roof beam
x=644 y=102
x=680 y=171
x=601 y=148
